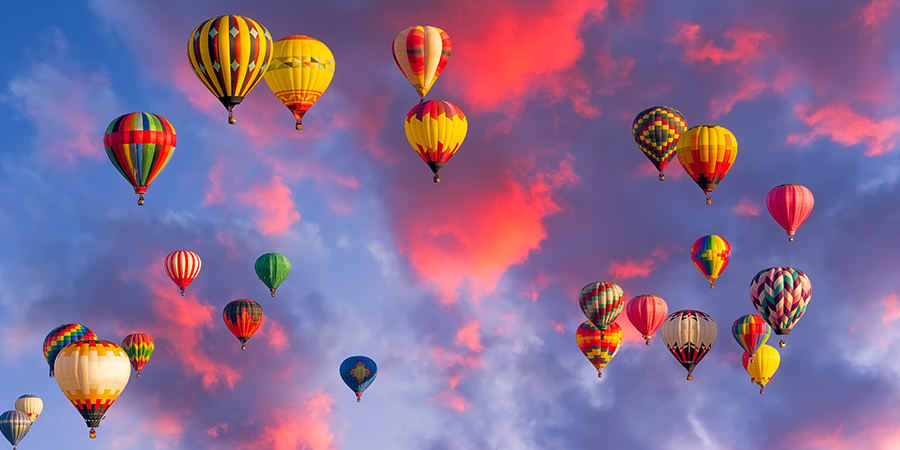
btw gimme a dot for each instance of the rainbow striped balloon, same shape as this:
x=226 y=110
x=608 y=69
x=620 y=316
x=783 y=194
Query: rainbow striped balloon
x=62 y=336
x=139 y=348
x=140 y=145
x=711 y=254
x=750 y=332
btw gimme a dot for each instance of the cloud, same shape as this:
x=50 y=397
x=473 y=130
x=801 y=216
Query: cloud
x=300 y=425
x=630 y=269
x=891 y=304
x=746 y=207
x=847 y=127
x=746 y=46
x=875 y=12
x=470 y=337
x=274 y=204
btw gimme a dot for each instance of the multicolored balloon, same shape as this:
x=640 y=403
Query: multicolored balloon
x=599 y=346
x=139 y=348
x=92 y=374
x=62 y=336
x=140 y=145
x=436 y=129
x=421 y=53
x=750 y=332
x=707 y=152
x=781 y=295
x=300 y=71
x=30 y=404
x=358 y=372
x=272 y=269
x=689 y=335
x=646 y=313
x=14 y=425
x=790 y=205
x=182 y=266
x=656 y=131
x=243 y=317
x=762 y=367
x=230 y=54
x=601 y=302
x=711 y=254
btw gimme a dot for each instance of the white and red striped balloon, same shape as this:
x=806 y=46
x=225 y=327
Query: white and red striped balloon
x=182 y=267
x=790 y=205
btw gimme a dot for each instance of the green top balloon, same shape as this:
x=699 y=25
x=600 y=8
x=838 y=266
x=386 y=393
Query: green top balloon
x=272 y=269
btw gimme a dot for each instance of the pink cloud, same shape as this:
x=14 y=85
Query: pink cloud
x=537 y=285
x=746 y=207
x=748 y=88
x=627 y=8
x=745 y=48
x=847 y=127
x=875 y=12
x=445 y=359
x=301 y=425
x=630 y=269
x=891 y=305
x=451 y=399
x=470 y=337
x=273 y=333
x=275 y=206
x=557 y=327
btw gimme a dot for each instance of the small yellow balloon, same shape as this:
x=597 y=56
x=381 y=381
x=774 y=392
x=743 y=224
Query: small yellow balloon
x=763 y=365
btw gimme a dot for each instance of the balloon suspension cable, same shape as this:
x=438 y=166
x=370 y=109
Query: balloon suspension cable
x=272 y=291
x=140 y=199
x=437 y=179
x=708 y=200
x=231 y=118
x=93 y=433
x=299 y=126
x=661 y=176
x=782 y=344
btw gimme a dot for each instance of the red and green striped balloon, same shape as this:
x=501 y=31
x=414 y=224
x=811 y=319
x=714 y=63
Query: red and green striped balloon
x=243 y=317
x=139 y=348
x=140 y=145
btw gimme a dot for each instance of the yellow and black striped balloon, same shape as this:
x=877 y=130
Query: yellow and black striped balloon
x=230 y=54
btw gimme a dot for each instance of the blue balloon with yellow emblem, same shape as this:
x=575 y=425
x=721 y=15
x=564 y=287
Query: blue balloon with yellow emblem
x=358 y=372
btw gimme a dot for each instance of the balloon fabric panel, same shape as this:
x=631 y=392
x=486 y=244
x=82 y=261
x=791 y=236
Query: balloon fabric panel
x=14 y=425
x=300 y=71
x=601 y=302
x=358 y=372
x=62 y=336
x=92 y=374
x=790 y=205
x=657 y=131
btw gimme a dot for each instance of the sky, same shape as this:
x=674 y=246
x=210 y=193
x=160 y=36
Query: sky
x=465 y=293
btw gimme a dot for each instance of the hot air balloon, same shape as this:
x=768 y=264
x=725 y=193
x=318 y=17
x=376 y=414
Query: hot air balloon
x=140 y=145
x=14 y=425
x=30 y=404
x=790 y=205
x=763 y=366
x=599 y=346
x=421 y=53
x=711 y=254
x=601 y=302
x=230 y=54
x=139 y=348
x=243 y=317
x=62 y=336
x=646 y=313
x=272 y=269
x=781 y=295
x=436 y=129
x=92 y=374
x=358 y=372
x=656 y=131
x=707 y=152
x=182 y=267
x=750 y=332
x=300 y=71
x=689 y=335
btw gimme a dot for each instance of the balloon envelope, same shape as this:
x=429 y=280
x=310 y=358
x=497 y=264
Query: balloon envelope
x=781 y=295
x=272 y=269
x=140 y=145
x=689 y=335
x=763 y=365
x=790 y=205
x=139 y=348
x=62 y=336
x=14 y=425
x=358 y=372
x=601 y=302
x=656 y=131
x=707 y=152
x=300 y=71
x=30 y=404
x=750 y=332
x=243 y=317
x=646 y=313
x=421 y=53
x=599 y=346
x=182 y=266
x=436 y=129
x=711 y=254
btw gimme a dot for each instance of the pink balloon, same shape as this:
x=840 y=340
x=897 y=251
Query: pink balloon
x=790 y=205
x=646 y=313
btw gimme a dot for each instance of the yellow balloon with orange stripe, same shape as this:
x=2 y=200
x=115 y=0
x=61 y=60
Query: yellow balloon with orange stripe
x=436 y=129
x=230 y=54
x=300 y=71
x=707 y=152
x=92 y=374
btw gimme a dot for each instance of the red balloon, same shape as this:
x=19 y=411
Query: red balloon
x=243 y=317
x=647 y=313
x=182 y=267
x=790 y=205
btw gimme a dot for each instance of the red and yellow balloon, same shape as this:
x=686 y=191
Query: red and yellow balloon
x=421 y=53
x=301 y=69
x=707 y=152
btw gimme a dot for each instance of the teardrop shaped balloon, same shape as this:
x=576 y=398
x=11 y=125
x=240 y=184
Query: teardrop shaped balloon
x=358 y=372
x=436 y=129
x=762 y=367
x=790 y=205
x=62 y=336
x=230 y=54
x=139 y=348
x=421 y=53
x=646 y=313
x=599 y=346
x=689 y=335
x=243 y=317
x=781 y=295
x=601 y=302
x=750 y=332
x=272 y=269
x=707 y=152
x=711 y=254
x=140 y=145
x=300 y=71
x=182 y=266
x=92 y=374
x=30 y=404
x=14 y=425
x=656 y=131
